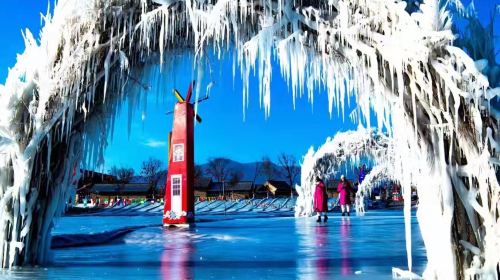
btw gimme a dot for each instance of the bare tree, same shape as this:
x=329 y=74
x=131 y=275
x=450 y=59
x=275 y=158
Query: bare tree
x=268 y=168
x=218 y=168
x=151 y=171
x=198 y=172
x=290 y=167
x=235 y=176
x=257 y=172
x=161 y=190
x=123 y=174
x=113 y=171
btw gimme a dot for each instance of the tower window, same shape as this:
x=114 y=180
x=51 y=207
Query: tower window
x=176 y=185
x=178 y=152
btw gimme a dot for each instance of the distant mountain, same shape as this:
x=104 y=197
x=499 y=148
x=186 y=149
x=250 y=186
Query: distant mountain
x=248 y=170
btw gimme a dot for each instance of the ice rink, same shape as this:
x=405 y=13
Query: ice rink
x=239 y=245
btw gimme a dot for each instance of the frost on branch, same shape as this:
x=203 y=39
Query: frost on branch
x=427 y=94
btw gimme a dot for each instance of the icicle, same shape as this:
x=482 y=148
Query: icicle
x=107 y=65
x=49 y=154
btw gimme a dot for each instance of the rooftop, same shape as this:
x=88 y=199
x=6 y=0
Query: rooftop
x=119 y=188
x=240 y=186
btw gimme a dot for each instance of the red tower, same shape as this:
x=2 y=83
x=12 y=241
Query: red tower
x=179 y=192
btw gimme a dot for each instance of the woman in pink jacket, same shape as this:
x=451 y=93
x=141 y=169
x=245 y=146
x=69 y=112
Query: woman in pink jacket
x=344 y=189
x=320 y=200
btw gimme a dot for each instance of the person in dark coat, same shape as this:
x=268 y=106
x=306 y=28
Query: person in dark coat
x=320 y=200
x=361 y=174
x=344 y=189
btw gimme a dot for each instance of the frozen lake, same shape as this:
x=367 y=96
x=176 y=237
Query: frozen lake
x=236 y=246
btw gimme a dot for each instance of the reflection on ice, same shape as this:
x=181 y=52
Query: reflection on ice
x=314 y=245
x=345 y=235
x=322 y=253
x=175 y=257
x=322 y=250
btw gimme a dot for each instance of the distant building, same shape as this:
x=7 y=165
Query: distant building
x=88 y=180
x=97 y=188
x=331 y=187
x=278 y=188
x=215 y=190
x=104 y=194
x=202 y=187
x=260 y=191
x=239 y=190
x=160 y=185
x=138 y=180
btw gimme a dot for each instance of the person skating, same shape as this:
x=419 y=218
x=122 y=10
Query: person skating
x=344 y=190
x=320 y=200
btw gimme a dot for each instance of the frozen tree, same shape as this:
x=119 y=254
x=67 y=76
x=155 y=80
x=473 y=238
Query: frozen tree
x=59 y=101
x=480 y=42
x=413 y=5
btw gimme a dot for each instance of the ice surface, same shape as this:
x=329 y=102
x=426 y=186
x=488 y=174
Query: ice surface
x=240 y=247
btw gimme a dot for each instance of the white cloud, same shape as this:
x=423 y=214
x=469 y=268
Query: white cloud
x=152 y=143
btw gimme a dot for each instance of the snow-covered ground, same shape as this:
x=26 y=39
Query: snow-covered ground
x=238 y=246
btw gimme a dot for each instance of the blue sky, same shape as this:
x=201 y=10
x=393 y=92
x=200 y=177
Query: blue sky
x=223 y=131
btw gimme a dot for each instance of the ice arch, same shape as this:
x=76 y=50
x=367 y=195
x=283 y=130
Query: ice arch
x=428 y=94
x=379 y=173
x=344 y=148
x=349 y=147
